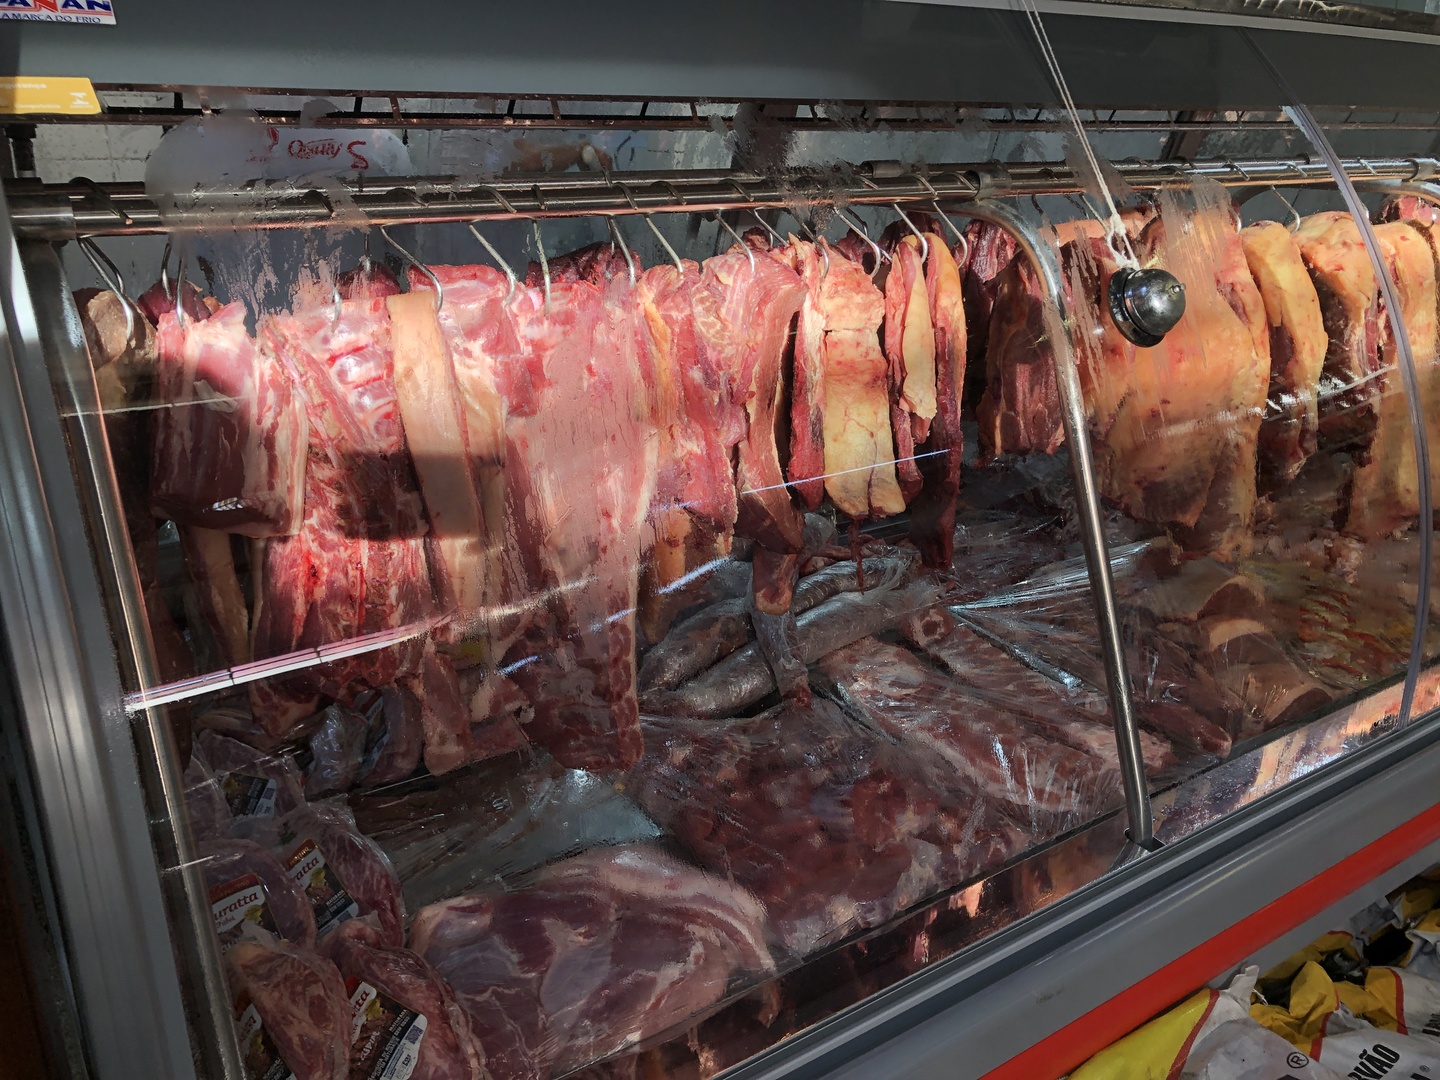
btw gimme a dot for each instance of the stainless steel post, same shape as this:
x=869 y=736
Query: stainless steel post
x=1087 y=499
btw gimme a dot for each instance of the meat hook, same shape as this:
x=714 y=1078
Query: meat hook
x=509 y=273
x=650 y=220
x=544 y=262
x=624 y=248
x=413 y=261
x=110 y=276
x=924 y=241
x=1294 y=214
x=855 y=227
x=749 y=252
x=964 y=256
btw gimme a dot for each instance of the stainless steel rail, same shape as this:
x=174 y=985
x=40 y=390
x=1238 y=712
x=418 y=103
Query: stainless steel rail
x=65 y=211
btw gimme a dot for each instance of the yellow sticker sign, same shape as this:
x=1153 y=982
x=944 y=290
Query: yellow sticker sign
x=28 y=94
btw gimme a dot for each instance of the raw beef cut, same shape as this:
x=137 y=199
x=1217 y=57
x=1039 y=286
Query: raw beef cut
x=290 y=1008
x=397 y=740
x=910 y=352
x=255 y=783
x=694 y=509
x=205 y=806
x=987 y=251
x=859 y=450
x=829 y=824
x=1289 y=431
x=1019 y=411
x=429 y=401
x=1046 y=786
x=1077 y=717
x=743 y=312
x=595 y=263
x=1334 y=253
x=359 y=563
x=598 y=953
x=344 y=874
x=805 y=468
x=231 y=432
x=1179 y=423
x=405 y=1014
x=248 y=885
x=337 y=752
x=1384 y=492
x=580 y=475
x=454 y=734
x=932 y=512
x=211 y=565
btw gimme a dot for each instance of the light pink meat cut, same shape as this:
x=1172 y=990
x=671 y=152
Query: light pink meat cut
x=806 y=467
x=910 y=350
x=447 y=1050
x=602 y=951
x=301 y=1004
x=1045 y=785
x=229 y=441
x=580 y=473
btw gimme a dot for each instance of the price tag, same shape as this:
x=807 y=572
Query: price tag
x=25 y=94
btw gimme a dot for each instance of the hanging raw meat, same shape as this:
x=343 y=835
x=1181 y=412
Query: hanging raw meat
x=988 y=250
x=743 y=312
x=1384 y=492
x=406 y=1020
x=1344 y=280
x=1179 y=423
x=359 y=563
x=1298 y=343
x=600 y=952
x=910 y=352
x=230 y=437
x=1019 y=410
x=805 y=468
x=580 y=474
x=694 y=509
x=932 y=512
x=858 y=460
x=454 y=734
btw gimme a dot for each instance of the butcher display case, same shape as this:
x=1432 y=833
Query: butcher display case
x=893 y=539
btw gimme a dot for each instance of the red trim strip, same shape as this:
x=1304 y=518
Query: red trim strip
x=1079 y=1040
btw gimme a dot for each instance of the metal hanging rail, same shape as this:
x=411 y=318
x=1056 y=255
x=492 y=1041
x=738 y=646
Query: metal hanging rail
x=67 y=211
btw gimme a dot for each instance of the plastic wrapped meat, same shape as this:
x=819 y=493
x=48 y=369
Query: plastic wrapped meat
x=337 y=752
x=229 y=452
x=396 y=738
x=406 y=1015
x=344 y=873
x=833 y=827
x=1045 y=785
x=254 y=783
x=1385 y=490
x=248 y=885
x=291 y=1010
x=205 y=805
x=599 y=952
x=1078 y=717
x=1290 y=429
x=1334 y=253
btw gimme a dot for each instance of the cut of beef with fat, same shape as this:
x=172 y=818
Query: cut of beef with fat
x=291 y=1010
x=987 y=251
x=599 y=952
x=1289 y=431
x=910 y=352
x=829 y=824
x=249 y=885
x=1045 y=785
x=406 y=1016
x=230 y=436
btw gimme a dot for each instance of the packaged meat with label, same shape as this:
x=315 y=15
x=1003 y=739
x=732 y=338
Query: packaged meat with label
x=1047 y=786
x=255 y=784
x=596 y=954
x=407 y=1023
x=292 y=1014
x=343 y=872
x=395 y=742
x=205 y=803
x=249 y=885
x=829 y=824
x=337 y=753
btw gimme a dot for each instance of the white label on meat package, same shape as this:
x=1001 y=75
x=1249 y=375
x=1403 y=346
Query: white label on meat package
x=249 y=796
x=93 y=12
x=386 y=1040
x=261 y=1059
x=328 y=897
x=234 y=902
